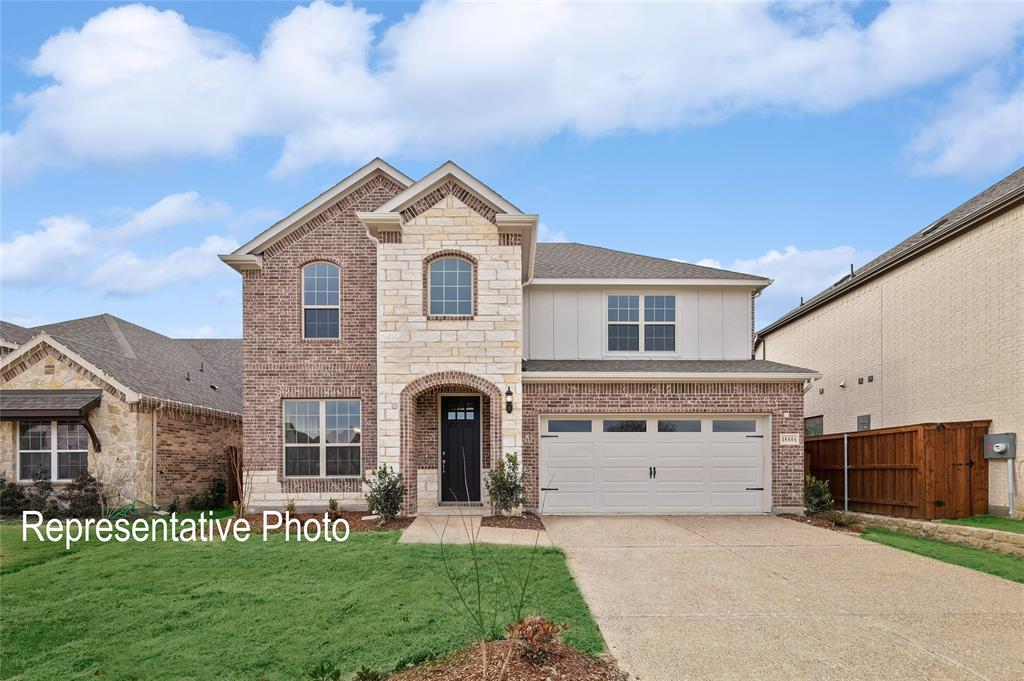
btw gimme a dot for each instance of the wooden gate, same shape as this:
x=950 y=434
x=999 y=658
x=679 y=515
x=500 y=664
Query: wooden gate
x=928 y=470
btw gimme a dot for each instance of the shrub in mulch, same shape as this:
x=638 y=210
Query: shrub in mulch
x=560 y=662
x=527 y=521
x=354 y=518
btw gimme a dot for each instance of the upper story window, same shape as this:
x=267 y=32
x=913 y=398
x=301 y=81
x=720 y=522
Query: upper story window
x=451 y=287
x=320 y=300
x=627 y=326
x=52 y=450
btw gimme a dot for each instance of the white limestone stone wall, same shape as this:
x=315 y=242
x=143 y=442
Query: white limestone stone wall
x=126 y=456
x=409 y=345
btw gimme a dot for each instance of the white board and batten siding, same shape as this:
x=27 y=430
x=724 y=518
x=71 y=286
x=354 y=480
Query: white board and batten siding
x=564 y=322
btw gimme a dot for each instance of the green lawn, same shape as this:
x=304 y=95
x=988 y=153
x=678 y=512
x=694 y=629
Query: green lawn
x=997 y=564
x=991 y=522
x=252 y=611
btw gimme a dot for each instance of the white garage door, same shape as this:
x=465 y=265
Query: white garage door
x=653 y=464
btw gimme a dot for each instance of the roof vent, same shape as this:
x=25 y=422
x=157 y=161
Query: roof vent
x=934 y=226
x=188 y=375
x=213 y=387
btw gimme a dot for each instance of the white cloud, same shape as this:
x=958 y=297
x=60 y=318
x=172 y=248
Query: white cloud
x=128 y=274
x=42 y=256
x=980 y=130
x=173 y=209
x=794 y=273
x=224 y=295
x=136 y=82
x=545 y=233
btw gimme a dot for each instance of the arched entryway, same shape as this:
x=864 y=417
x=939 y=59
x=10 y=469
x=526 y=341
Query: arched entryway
x=452 y=408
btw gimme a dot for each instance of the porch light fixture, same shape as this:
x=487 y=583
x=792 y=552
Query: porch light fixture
x=508 y=399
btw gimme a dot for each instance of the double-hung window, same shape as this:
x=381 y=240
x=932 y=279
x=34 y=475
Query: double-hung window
x=321 y=292
x=52 y=450
x=652 y=329
x=322 y=438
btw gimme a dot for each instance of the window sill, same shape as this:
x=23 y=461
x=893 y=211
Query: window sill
x=321 y=477
x=448 y=317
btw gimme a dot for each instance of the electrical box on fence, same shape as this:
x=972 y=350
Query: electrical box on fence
x=1001 y=446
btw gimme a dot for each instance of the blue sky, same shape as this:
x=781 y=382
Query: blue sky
x=141 y=140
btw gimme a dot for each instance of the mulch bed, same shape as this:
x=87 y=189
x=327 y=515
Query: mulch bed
x=527 y=521
x=354 y=518
x=823 y=523
x=562 y=663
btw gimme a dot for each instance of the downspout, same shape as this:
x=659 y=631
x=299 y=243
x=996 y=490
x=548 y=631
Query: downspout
x=153 y=445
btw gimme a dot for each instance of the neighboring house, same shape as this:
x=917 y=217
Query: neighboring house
x=419 y=324
x=144 y=413
x=931 y=330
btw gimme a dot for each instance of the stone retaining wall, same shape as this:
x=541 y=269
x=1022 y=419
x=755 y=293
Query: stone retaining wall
x=1010 y=543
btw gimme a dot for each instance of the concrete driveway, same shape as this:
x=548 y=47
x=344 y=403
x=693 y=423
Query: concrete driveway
x=759 y=597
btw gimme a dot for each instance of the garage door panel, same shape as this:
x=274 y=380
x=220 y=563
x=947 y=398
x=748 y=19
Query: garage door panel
x=698 y=471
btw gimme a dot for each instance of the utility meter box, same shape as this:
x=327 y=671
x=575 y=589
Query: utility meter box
x=1001 y=446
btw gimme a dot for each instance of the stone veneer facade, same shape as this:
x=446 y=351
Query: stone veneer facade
x=189 y=446
x=783 y=402
x=421 y=357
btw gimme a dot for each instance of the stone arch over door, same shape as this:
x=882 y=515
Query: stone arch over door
x=415 y=423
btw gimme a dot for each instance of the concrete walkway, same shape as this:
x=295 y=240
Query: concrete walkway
x=458 y=530
x=767 y=598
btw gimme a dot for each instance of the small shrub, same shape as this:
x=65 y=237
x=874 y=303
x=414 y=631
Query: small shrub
x=289 y=506
x=535 y=637
x=817 y=497
x=215 y=497
x=384 y=497
x=81 y=497
x=332 y=504
x=327 y=671
x=12 y=497
x=505 y=485
x=39 y=496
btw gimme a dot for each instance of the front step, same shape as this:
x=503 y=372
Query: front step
x=472 y=509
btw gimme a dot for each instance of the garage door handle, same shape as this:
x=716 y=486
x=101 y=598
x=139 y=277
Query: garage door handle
x=755 y=489
x=549 y=436
x=548 y=489
x=760 y=436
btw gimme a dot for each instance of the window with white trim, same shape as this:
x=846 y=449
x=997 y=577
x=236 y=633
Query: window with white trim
x=54 y=450
x=451 y=287
x=627 y=326
x=321 y=293
x=322 y=438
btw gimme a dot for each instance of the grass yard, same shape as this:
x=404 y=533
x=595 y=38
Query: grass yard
x=997 y=564
x=251 y=610
x=991 y=522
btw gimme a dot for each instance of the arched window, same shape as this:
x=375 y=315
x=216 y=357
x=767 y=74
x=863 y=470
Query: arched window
x=451 y=287
x=320 y=300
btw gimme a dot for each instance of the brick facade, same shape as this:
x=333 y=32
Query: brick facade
x=783 y=402
x=190 y=453
x=278 y=363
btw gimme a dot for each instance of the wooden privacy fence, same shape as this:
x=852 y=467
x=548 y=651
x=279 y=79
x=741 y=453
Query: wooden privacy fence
x=928 y=470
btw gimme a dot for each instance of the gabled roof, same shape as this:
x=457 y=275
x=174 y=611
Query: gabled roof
x=977 y=210
x=284 y=226
x=580 y=261
x=150 y=364
x=445 y=171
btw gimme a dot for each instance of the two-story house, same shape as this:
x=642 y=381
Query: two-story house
x=420 y=325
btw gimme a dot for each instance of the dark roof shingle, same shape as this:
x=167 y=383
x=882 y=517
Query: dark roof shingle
x=176 y=369
x=580 y=261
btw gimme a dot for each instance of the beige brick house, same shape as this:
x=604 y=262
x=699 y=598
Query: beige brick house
x=419 y=325
x=149 y=416
x=931 y=330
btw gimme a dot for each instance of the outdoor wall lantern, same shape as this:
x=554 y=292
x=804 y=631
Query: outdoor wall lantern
x=508 y=399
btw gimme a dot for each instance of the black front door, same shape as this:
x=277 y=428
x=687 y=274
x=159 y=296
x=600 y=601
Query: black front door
x=460 y=449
